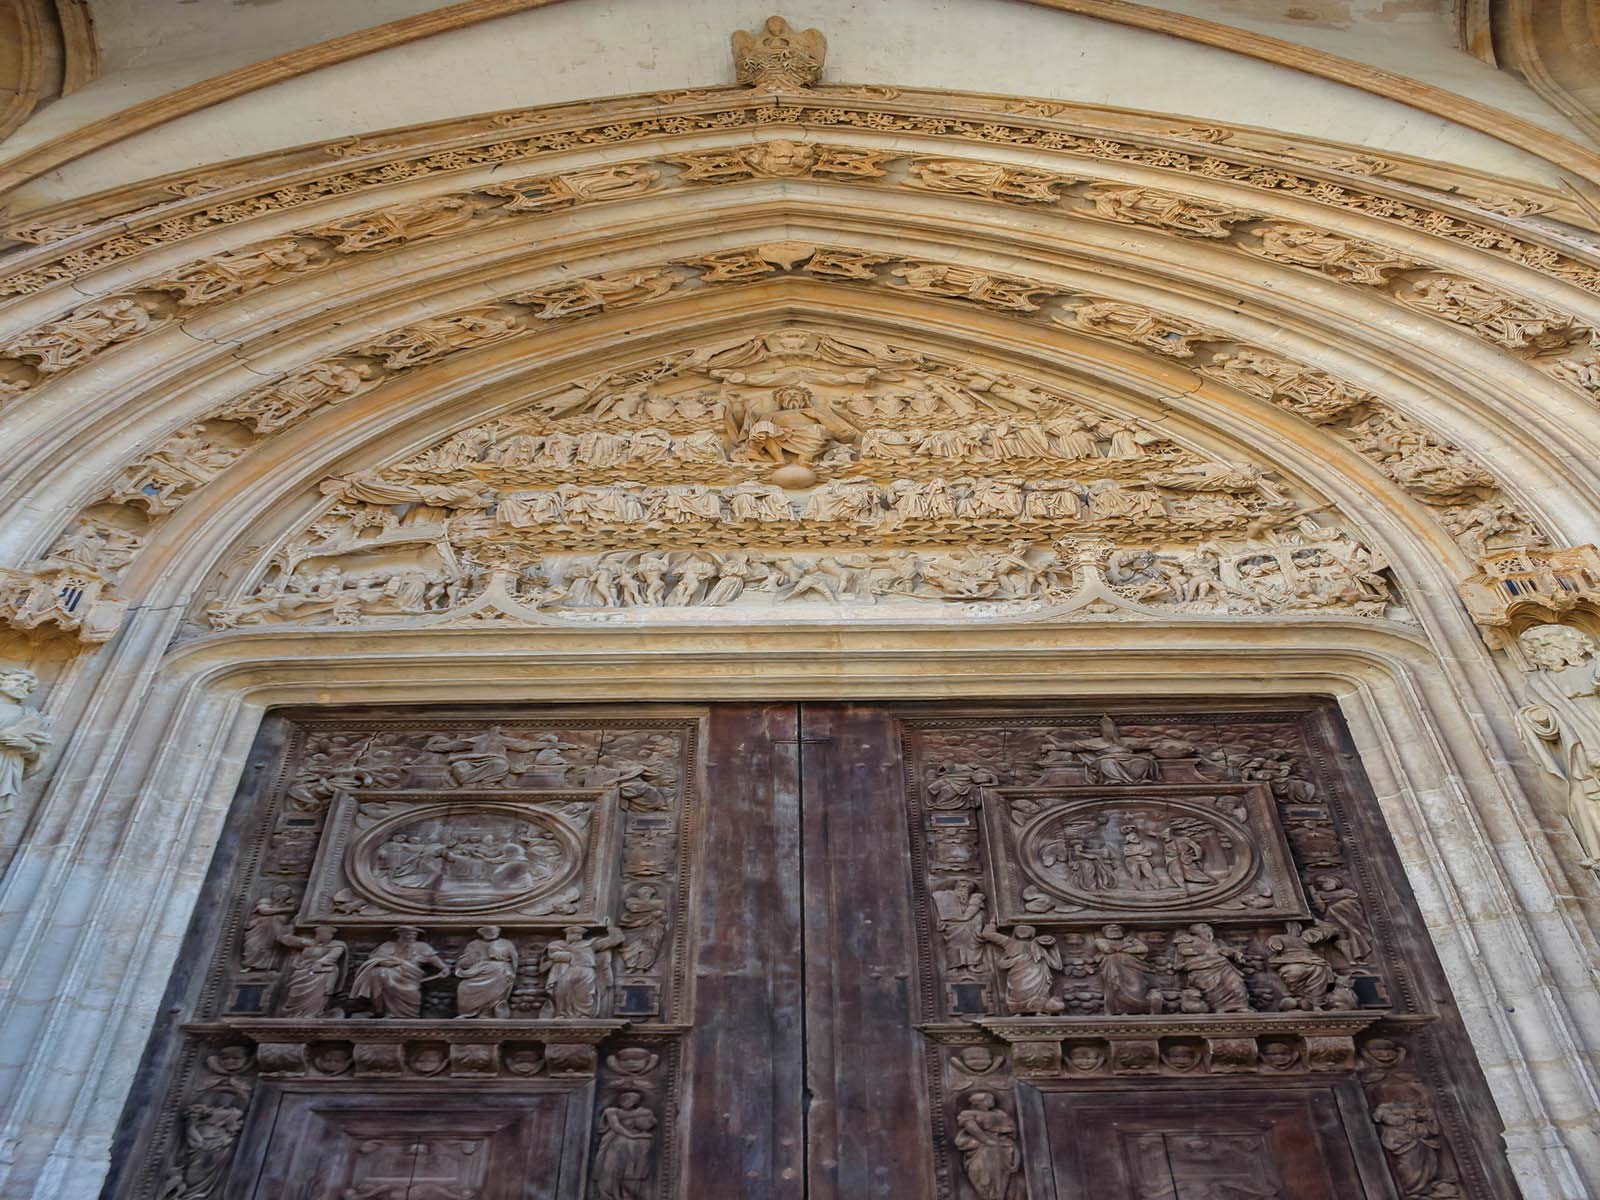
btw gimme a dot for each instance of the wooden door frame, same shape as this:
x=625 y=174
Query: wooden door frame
x=163 y=776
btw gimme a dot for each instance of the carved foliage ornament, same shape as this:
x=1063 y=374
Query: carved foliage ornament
x=1515 y=324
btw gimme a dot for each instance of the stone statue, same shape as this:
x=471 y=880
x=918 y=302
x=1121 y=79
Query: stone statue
x=1560 y=723
x=622 y=1161
x=487 y=970
x=392 y=977
x=575 y=970
x=315 y=972
x=779 y=56
x=987 y=1139
x=25 y=734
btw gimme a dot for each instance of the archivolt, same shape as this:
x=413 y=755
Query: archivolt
x=1230 y=290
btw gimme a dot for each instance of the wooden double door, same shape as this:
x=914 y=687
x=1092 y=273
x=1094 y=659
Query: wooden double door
x=920 y=952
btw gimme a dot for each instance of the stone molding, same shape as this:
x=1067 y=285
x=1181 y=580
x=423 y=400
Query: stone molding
x=1425 y=97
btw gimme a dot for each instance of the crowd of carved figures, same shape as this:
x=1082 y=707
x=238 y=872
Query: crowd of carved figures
x=844 y=409
x=806 y=466
x=791 y=429
x=1120 y=897
x=522 y=952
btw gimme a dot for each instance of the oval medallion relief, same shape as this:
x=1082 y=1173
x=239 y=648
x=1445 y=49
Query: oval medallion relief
x=445 y=858
x=1131 y=853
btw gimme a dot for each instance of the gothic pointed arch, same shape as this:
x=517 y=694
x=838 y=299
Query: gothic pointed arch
x=927 y=392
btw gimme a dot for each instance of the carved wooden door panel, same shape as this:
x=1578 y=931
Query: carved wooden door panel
x=1067 y=953
x=490 y=955
x=808 y=952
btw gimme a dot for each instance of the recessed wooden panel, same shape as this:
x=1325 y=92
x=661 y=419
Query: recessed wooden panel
x=1248 y=1143
x=411 y=1144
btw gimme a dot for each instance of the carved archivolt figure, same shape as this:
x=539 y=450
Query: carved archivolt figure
x=315 y=972
x=987 y=1139
x=622 y=1162
x=487 y=970
x=1560 y=723
x=392 y=977
x=25 y=734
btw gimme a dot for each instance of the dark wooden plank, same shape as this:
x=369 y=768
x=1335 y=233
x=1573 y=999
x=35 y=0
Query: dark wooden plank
x=868 y=1128
x=743 y=1114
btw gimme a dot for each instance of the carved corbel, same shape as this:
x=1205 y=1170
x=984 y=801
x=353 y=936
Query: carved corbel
x=67 y=600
